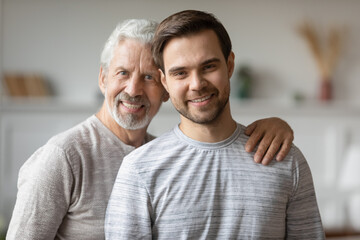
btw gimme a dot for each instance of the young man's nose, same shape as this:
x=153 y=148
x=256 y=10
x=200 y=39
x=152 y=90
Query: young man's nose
x=197 y=82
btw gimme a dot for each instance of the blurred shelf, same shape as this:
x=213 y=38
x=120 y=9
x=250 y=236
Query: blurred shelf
x=46 y=105
x=294 y=108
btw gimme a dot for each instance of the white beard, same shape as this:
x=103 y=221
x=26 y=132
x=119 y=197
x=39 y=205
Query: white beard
x=128 y=121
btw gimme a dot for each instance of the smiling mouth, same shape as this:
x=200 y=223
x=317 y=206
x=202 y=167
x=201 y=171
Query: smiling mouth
x=132 y=106
x=201 y=99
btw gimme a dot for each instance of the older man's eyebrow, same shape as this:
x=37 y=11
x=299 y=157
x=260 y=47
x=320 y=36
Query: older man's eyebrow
x=120 y=68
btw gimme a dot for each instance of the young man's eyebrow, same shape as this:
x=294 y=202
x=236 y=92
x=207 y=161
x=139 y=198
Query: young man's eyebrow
x=175 y=69
x=210 y=61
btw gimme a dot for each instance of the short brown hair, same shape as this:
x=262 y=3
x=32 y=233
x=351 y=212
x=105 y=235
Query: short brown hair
x=186 y=23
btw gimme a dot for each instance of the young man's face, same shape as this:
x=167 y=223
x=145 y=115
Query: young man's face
x=132 y=87
x=197 y=76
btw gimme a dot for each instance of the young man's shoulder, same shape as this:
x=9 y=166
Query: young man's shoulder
x=156 y=146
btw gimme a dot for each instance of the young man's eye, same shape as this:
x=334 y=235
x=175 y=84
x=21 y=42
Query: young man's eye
x=210 y=66
x=148 y=77
x=180 y=74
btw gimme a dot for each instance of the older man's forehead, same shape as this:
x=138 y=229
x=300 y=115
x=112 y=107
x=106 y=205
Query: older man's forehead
x=147 y=62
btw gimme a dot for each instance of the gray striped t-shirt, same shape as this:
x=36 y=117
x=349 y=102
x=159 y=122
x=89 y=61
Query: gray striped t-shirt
x=177 y=188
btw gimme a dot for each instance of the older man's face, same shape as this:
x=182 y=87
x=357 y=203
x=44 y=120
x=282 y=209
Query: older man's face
x=133 y=91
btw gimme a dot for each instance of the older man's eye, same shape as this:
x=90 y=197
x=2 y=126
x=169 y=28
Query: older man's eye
x=122 y=74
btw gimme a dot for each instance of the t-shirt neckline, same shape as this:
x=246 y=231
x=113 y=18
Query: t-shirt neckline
x=208 y=145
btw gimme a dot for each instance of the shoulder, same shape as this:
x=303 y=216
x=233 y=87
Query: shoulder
x=48 y=160
x=155 y=146
x=300 y=168
x=154 y=152
x=82 y=132
x=55 y=154
x=296 y=157
x=294 y=165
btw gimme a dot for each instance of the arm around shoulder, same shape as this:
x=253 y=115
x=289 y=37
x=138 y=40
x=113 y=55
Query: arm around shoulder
x=44 y=192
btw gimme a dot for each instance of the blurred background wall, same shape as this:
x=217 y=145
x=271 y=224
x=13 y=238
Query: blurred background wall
x=62 y=40
x=60 y=43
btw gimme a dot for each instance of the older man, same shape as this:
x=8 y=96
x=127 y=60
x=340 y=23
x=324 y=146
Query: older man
x=197 y=181
x=63 y=189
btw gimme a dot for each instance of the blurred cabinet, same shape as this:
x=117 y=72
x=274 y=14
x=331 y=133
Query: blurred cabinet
x=322 y=132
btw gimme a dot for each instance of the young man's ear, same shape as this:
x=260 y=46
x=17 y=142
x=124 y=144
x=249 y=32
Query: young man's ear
x=165 y=96
x=102 y=80
x=163 y=80
x=231 y=64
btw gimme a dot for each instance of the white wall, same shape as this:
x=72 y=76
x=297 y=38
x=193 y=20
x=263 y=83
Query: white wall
x=63 y=40
x=1 y=41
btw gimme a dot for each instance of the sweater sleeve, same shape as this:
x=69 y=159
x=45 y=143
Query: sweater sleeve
x=303 y=217
x=44 y=193
x=128 y=214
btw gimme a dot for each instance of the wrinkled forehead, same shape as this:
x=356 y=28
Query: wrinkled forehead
x=146 y=62
x=134 y=54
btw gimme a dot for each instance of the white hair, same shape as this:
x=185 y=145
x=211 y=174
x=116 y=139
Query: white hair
x=138 y=29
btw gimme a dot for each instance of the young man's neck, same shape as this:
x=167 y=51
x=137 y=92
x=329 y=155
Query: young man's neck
x=219 y=129
x=135 y=138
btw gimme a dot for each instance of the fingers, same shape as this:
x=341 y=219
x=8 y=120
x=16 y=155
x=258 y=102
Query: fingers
x=263 y=149
x=271 y=151
x=270 y=145
x=274 y=137
x=253 y=140
x=285 y=148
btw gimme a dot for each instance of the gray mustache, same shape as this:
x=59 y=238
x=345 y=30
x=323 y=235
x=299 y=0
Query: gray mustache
x=137 y=99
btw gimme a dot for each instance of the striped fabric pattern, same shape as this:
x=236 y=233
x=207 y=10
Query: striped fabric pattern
x=178 y=188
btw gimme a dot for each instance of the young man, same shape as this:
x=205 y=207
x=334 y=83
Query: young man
x=64 y=187
x=197 y=181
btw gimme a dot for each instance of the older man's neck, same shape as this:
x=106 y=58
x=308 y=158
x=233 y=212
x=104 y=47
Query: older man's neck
x=135 y=138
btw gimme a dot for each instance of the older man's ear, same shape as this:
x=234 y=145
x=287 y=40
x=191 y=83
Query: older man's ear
x=102 y=80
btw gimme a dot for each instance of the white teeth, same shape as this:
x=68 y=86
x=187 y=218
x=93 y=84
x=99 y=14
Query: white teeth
x=131 y=106
x=201 y=99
